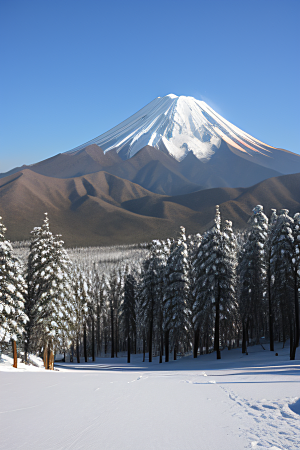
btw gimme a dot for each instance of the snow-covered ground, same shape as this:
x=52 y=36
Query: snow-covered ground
x=35 y=364
x=242 y=401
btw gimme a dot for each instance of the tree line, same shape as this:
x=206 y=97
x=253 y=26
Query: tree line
x=199 y=293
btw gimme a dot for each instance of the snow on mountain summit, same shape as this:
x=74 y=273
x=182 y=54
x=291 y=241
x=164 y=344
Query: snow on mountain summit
x=176 y=125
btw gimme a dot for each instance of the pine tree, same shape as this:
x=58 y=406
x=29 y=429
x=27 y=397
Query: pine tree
x=49 y=299
x=128 y=316
x=296 y=263
x=80 y=312
x=12 y=295
x=217 y=276
x=253 y=275
x=193 y=307
x=282 y=273
x=176 y=292
x=148 y=298
x=162 y=252
x=113 y=290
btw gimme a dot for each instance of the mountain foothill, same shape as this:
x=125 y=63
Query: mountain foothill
x=104 y=195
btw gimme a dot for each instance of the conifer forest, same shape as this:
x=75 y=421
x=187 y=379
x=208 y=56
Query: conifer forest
x=196 y=294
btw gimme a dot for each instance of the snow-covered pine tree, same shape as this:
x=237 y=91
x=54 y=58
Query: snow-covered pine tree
x=105 y=312
x=229 y=304
x=80 y=309
x=193 y=310
x=176 y=289
x=268 y=251
x=253 y=275
x=217 y=277
x=97 y=286
x=148 y=298
x=12 y=293
x=49 y=300
x=162 y=252
x=127 y=312
x=150 y=294
x=282 y=273
x=112 y=294
x=296 y=263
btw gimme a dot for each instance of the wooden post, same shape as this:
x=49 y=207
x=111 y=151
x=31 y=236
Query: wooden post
x=14 y=345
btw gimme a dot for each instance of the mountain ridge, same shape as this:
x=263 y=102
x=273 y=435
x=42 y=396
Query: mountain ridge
x=102 y=209
x=157 y=171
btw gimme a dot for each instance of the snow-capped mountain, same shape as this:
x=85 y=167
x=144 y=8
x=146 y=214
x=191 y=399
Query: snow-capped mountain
x=174 y=145
x=179 y=125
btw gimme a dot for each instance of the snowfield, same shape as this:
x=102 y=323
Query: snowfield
x=239 y=402
x=36 y=364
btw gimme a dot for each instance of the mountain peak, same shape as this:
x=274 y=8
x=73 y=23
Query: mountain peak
x=171 y=96
x=178 y=125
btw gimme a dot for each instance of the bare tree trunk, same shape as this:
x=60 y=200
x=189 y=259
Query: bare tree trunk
x=167 y=346
x=270 y=312
x=217 y=326
x=77 y=350
x=46 y=363
x=144 y=348
x=292 y=347
x=93 y=339
x=117 y=337
x=128 y=348
x=112 y=332
x=244 y=341
x=196 y=340
x=84 y=343
x=296 y=299
x=51 y=360
x=14 y=346
x=161 y=350
x=207 y=343
x=98 y=332
x=150 y=340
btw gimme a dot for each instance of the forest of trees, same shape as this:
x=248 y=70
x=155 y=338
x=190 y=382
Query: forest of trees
x=192 y=293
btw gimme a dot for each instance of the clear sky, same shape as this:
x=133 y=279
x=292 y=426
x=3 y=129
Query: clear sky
x=72 y=69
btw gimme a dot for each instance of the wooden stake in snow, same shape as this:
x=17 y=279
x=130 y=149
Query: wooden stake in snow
x=14 y=346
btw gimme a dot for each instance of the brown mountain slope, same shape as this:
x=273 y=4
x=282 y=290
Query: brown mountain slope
x=157 y=171
x=102 y=209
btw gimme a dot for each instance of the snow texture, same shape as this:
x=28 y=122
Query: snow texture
x=176 y=125
x=239 y=402
x=34 y=364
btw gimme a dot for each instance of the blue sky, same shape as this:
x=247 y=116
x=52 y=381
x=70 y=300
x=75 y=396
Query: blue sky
x=72 y=69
